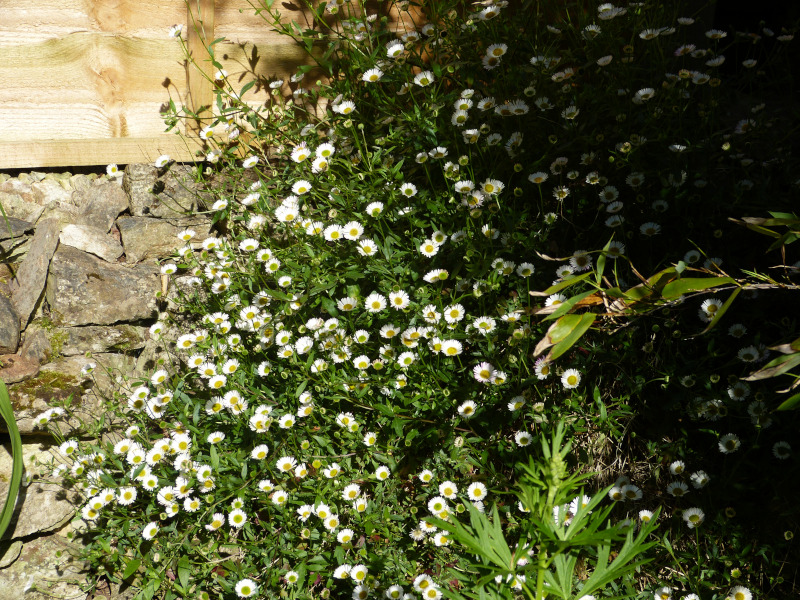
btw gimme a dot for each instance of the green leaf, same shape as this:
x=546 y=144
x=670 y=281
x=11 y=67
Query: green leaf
x=329 y=306
x=567 y=305
x=790 y=403
x=601 y=265
x=214 y=457
x=722 y=310
x=562 y=285
x=775 y=367
x=184 y=570
x=687 y=285
x=7 y=412
x=563 y=334
x=131 y=567
x=246 y=87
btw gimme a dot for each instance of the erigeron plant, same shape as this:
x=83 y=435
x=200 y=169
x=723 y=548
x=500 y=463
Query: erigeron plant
x=366 y=347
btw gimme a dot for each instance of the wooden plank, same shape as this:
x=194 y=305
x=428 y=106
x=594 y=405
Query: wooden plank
x=58 y=153
x=263 y=59
x=85 y=82
x=32 y=21
x=88 y=85
x=237 y=20
x=200 y=19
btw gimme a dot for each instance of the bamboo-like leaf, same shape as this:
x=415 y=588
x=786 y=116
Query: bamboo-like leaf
x=561 y=285
x=723 y=309
x=652 y=286
x=775 y=367
x=568 y=305
x=557 y=332
x=688 y=285
x=7 y=412
x=791 y=347
x=790 y=403
x=565 y=333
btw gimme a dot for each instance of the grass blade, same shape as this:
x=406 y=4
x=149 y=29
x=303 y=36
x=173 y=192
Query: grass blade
x=7 y=412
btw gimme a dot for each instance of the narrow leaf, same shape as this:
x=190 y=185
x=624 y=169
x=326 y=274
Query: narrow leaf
x=722 y=310
x=562 y=285
x=775 y=367
x=568 y=305
x=7 y=412
x=790 y=403
x=580 y=325
x=687 y=285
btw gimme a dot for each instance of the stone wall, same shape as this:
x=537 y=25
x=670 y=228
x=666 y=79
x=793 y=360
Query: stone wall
x=80 y=282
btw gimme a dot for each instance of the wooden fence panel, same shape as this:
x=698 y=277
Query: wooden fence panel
x=84 y=81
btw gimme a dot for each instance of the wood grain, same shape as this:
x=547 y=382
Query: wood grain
x=85 y=81
x=99 y=151
x=200 y=18
x=32 y=21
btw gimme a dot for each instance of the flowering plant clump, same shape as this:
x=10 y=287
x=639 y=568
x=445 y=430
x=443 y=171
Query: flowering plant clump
x=424 y=241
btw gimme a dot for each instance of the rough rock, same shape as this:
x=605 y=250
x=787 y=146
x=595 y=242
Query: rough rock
x=9 y=327
x=9 y=552
x=146 y=237
x=80 y=183
x=173 y=194
x=100 y=338
x=16 y=206
x=48 y=192
x=14 y=250
x=17 y=186
x=38 y=343
x=100 y=204
x=47 y=568
x=13 y=227
x=32 y=273
x=84 y=290
x=15 y=368
x=41 y=506
x=62 y=380
x=91 y=239
x=14 y=240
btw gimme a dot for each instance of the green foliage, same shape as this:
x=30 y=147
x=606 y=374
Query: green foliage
x=360 y=362
x=558 y=532
x=10 y=503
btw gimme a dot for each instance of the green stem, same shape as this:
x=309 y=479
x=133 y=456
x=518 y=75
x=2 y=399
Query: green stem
x=540 y=575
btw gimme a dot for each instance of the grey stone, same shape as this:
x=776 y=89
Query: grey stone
x=172 y=194
x=84 y=290
x=100 y=204
x=17 y=206
x=12 y=227
x=101 y=338
x=32 y=274
x=9 y=552
x=80 y=183
x=156 y=354
x=9 y=327
x=91 y=239
x=38 y=343
x=62 y=381
x=146 y=237
x=15 y=368
x=15 y=250
x=48 y=567
x=41 y=506
x=16 y=185
x=48 y=191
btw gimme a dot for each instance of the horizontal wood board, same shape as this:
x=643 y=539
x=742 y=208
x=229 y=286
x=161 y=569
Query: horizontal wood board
x=84 y=81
